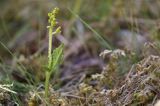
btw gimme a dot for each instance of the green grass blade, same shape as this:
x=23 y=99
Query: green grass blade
x=97 y=36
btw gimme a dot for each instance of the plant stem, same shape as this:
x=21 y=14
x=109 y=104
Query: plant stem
x=47 y=83
x=49 y=62
x=50 y=48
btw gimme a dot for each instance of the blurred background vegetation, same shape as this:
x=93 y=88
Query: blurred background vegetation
x=88 y=28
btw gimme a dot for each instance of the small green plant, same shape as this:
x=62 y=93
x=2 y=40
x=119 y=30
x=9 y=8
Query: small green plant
x=55 y=56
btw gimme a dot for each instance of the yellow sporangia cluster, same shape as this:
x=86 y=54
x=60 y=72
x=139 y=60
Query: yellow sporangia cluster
x=52 y=17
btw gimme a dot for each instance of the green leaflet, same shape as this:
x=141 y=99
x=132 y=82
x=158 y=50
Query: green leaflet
x=57 y=56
